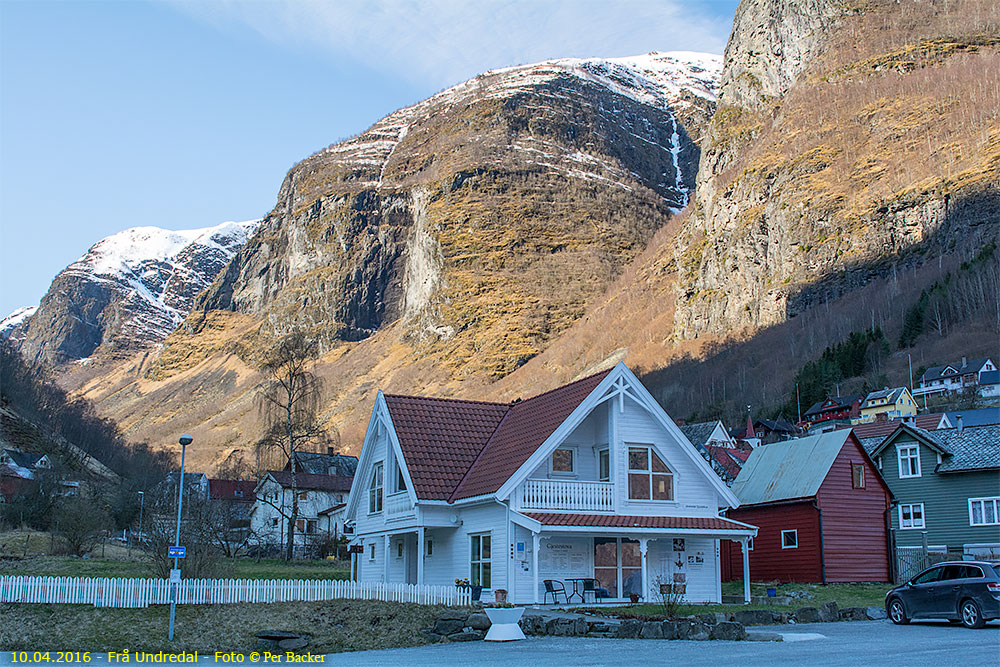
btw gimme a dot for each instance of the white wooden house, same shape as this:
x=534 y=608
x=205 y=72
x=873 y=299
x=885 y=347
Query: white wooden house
x=590 y=480
x=273 y=503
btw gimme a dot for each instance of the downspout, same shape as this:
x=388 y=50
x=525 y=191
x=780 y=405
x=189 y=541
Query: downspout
x=890 y=546
x=822 y=550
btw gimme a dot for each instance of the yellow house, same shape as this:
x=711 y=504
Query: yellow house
x=896 y=403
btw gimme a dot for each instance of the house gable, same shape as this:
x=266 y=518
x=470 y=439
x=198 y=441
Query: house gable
x=617 y=387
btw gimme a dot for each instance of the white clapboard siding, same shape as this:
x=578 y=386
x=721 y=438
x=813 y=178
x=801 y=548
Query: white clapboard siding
x=119 y=592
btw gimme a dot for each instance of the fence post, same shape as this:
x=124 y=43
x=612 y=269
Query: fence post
x=924 y=560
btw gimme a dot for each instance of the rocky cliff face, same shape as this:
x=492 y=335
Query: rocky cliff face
x=485 y=217
x=128 y=291
x=849 y=140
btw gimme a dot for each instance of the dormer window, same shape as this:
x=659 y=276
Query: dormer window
x=400 y=481
x=909 y=460
x=604 y=465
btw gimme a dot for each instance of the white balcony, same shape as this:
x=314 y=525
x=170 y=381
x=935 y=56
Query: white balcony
x=555 y=494
x=398 y=506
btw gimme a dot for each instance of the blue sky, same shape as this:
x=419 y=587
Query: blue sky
x=182 y=114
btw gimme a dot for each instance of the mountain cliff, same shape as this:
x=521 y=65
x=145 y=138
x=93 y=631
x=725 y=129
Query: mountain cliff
x=130 y=290
x=850 y=140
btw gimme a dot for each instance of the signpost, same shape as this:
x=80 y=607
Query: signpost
x=176 y=552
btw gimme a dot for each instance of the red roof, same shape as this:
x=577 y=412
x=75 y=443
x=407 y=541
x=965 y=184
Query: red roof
x=458 y=449
x=880 y=429
x=730 y=458
x=231 y=489
x=619 y=521
x=309 y=482
x=441 y=438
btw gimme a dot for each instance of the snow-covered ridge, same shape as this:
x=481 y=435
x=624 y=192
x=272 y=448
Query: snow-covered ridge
x=661 y=80
x=122 y=253
x=15 y=319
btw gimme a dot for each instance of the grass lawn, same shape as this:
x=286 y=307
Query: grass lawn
x=335 y=626
x=845 y=595
x=118 y=561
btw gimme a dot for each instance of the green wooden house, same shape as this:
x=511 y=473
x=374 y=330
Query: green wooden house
x=947 y=483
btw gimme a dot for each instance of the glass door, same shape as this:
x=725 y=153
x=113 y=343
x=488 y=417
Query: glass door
x=618 y=566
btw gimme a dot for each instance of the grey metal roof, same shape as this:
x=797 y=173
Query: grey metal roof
x=788 y=469
x=24 y=459
x=980 y=417
x=326 y=464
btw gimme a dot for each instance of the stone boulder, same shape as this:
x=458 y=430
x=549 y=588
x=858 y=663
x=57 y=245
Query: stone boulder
x=449 y=626
x=754 y=617
x=729 y=631
x=629 y=629
x=875 y=613
x=828 y=612
x=853 y=614
x=652 y=630
x=466 y=636
x=807 y=615
x=478 y=621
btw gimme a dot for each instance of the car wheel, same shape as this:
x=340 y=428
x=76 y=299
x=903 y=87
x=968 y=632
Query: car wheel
x=972 y=615
x=897 y=612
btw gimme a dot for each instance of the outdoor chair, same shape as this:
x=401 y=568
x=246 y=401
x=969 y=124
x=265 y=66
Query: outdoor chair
x=590 y=586
x=554 y=588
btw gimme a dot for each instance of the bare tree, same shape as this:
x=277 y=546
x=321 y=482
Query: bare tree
x=289 y=400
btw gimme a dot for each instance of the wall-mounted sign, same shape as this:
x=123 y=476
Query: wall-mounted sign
x=356 y=549
x=176 y=552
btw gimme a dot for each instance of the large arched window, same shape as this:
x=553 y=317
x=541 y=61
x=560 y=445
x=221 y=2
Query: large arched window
x=375 y=489
x=648 y=477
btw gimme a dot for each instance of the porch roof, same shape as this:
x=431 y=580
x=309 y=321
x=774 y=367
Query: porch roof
x=623 y=521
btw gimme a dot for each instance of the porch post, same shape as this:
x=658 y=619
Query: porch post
x=643 y=549
x=388 y=554
x=421 y=549
x=535 y=543
x=746 y=569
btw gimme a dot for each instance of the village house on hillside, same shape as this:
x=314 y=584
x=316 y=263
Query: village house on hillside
x=273 y=505
x=947 y=485
x=591 y=482
x=894 y=403
x=833 y=408
x=713 y=442
x=329 y=463
x=820 y=506
x=957 y=377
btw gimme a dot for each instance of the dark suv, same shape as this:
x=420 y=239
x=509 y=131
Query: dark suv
x=965 y=591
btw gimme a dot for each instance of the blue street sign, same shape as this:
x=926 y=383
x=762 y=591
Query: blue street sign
x=176 y=552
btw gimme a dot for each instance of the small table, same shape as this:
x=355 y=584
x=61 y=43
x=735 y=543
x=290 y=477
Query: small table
x=578 y=587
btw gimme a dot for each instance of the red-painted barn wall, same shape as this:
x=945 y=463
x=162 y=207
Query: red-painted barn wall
x=768 y=561
x=854 y=532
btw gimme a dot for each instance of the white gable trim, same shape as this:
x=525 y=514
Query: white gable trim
x=380 y=418
x=619 y=383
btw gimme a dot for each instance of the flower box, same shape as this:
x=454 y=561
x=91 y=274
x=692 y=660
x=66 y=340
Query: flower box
x=504 y=627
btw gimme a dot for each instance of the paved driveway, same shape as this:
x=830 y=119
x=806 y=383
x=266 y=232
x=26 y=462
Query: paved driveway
x=813 y=645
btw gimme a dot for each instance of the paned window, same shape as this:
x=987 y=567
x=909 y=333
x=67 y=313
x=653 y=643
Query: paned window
x=790 y=539
x=371 y=551
x=400 y=480
x=604 y=465
x=648 y=477
x=430 y=548
x=909 y=460
x=984 y=511
x=562 y=461
x=480 y=561
x=911 y=515
x=858 y=475
x=375 y=489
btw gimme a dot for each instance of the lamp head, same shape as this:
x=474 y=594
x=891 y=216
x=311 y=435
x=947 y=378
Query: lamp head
x=186 y=440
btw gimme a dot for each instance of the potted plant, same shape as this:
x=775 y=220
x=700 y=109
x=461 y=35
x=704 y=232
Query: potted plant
x=504 y=619
x=501 y=596
x=477 y=591
x=634 y=597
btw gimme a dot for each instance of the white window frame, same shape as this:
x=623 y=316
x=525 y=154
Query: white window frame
x=995 y=500
x=573 y=468
x=485 y=557
x=376 y=488
x=913 y=525
x=602 y=452
x=899 y=459
x=795 y=533
x=861 y=466
x=371 y=551
x=650 y=451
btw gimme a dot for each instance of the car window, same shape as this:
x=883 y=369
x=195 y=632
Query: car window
x=953 y=572
x=972 y=572
x=928 y=576
x=996 y=569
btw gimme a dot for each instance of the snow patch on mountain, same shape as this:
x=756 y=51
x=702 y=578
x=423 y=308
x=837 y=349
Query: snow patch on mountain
x=15 y=322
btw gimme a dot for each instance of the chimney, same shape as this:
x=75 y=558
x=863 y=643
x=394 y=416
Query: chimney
x=329 y=451
x=958 y=421
x=964 y=362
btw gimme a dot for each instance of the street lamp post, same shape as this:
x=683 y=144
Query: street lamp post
x=185 y=440
x=142 y=500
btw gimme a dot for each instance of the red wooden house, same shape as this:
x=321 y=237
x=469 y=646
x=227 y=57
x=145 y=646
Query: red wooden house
x=820 y=505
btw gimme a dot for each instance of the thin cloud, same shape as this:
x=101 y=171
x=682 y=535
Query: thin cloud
x=442 y=42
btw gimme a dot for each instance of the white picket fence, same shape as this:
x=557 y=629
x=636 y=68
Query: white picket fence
x=114 y=592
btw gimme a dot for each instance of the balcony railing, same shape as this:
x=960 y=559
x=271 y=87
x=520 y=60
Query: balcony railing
x=554 y=494
x=398 y=505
